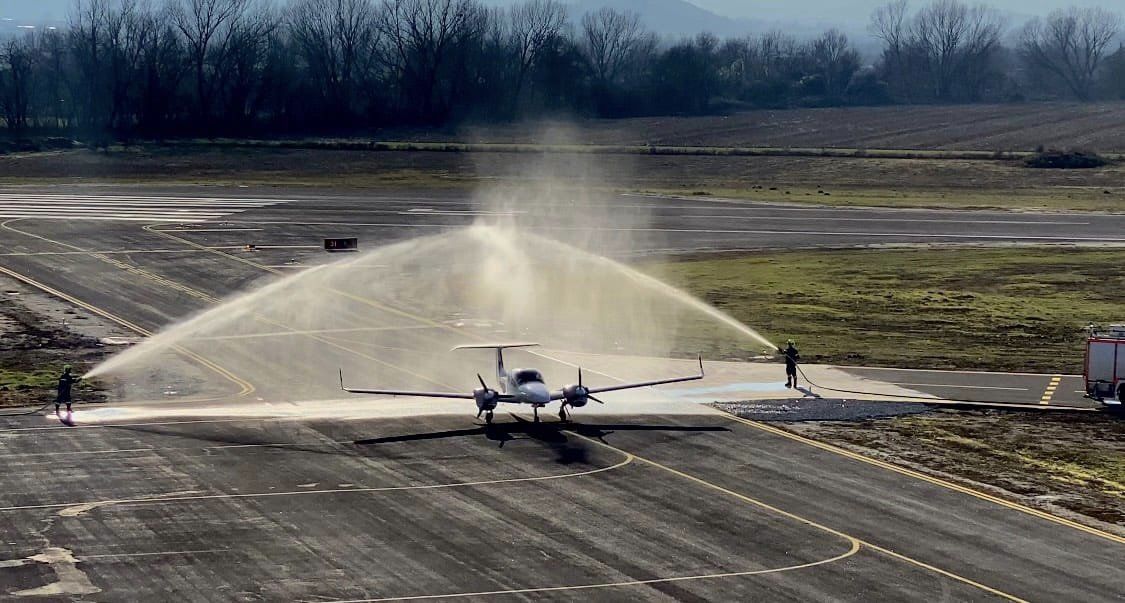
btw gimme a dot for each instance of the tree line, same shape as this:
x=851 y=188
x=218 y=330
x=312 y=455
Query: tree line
x=124 y=68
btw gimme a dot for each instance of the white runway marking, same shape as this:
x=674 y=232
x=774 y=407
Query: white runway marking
x=1014 y=389
x=164 y=498
x=124 y=208
x=931 y=220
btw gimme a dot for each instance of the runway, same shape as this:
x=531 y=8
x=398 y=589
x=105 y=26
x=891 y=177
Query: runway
x=339 y=507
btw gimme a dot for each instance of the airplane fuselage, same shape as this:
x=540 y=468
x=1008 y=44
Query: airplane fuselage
x=525 y=386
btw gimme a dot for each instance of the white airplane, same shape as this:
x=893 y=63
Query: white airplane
x=521 y=386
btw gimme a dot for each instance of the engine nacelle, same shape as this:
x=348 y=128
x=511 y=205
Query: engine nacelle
x=486 y=399
x=576 y=395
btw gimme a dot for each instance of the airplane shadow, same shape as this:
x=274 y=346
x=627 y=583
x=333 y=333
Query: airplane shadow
x=551 y=433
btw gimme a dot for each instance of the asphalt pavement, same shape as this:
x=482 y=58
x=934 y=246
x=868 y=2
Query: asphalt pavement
x=641 y=507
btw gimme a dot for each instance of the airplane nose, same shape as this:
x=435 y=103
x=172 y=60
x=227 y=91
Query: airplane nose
x=537 y=393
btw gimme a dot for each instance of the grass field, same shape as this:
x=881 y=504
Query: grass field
x=1021 y=308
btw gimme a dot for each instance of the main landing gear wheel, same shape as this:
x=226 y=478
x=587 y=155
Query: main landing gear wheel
x=562 y=414
x=488 y=417
x=535 y=409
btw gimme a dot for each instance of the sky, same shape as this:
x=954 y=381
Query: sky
x=860 y=10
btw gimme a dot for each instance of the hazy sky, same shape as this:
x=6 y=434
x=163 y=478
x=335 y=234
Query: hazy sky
x=860 y=10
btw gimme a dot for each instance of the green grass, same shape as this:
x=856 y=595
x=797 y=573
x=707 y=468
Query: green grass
x=1019 y=308
x=37 y=379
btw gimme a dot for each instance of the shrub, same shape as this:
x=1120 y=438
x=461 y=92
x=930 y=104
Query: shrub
x=1066 y=160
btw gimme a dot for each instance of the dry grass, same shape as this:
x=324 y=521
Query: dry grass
x=1070 y=462
x=827 y=180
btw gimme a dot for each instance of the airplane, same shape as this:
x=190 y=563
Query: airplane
x=521 y=386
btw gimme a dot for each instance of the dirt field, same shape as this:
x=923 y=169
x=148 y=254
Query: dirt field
x=836 y=181
x=1013 y=127
x=37 y=337
x=1062 y=463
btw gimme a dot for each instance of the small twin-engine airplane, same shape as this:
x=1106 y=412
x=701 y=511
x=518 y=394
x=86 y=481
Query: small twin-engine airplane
x=521 y=386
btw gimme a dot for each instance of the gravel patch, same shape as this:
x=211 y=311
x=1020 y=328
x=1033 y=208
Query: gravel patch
x=820 y=409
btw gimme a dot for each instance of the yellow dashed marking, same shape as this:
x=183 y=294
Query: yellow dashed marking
x=1050 y=391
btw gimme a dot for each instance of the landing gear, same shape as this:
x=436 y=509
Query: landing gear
x=562 y=414
x=488 y=417
x=535 y=409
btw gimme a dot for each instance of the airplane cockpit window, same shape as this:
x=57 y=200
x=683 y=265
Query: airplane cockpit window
x=528 y=375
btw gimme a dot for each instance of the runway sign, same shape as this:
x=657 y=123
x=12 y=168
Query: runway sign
x=349 y=244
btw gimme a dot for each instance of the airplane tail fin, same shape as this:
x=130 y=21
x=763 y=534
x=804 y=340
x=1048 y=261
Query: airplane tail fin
x=501 y=374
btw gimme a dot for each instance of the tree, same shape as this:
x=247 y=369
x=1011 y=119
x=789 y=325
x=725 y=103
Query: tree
x=610 y=38
x=210 y=30
x=532 y=25
x=957 y=41
x=338 y=40
x=1070 y=44
x=889 y=24
x=1115 y=73
x=16 y=82
x=835 y=60
x=419 y=35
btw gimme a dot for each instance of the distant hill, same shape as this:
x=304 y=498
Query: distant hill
x=669 y=18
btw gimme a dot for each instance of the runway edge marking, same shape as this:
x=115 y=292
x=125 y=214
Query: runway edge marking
x=548 y=589
x=246 y=388
x=784 y=513
x=927 y=478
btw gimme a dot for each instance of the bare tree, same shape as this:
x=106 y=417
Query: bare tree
x=1071 y=45
x=86 y=40
x=889 y=24
x=532 y=24
x=955 y=39
x=210 y=28
x=16 y=84
x=610 y=38
x=835 y=60
x=338 y=40
x=419 y=34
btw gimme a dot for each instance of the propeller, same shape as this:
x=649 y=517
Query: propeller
x=487 y=389
x=582 y=388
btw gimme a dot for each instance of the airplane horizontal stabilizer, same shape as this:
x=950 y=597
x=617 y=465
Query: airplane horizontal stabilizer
x=494 y=346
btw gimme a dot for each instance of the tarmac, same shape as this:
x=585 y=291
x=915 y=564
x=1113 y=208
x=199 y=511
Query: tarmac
x=652 y=497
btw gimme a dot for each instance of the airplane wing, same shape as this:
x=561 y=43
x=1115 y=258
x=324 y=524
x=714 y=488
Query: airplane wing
x=613 y=388
x=416 y=394
x=389 y=392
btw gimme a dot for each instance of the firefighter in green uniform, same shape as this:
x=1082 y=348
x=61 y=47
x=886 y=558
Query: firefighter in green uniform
x=792 y=357
x=66 y=384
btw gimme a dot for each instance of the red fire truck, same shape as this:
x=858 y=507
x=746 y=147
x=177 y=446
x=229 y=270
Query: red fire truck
x=1105 y=365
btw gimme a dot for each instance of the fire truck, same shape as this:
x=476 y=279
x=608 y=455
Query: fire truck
x=1105 y=365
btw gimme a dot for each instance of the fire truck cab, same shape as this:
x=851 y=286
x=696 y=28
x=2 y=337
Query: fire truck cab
x=1105 y=365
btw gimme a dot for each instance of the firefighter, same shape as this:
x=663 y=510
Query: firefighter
x=792 y=356
x=66 y=383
